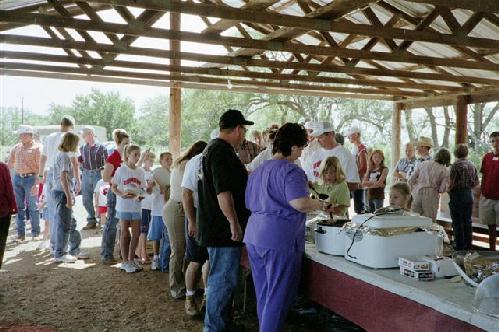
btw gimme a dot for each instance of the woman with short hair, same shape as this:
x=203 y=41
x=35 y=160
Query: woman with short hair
x=278 y=198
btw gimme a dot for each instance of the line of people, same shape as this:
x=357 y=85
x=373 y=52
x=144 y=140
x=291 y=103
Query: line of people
x=199 y=209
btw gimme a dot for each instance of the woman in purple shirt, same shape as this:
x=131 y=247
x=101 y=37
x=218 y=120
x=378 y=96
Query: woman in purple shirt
x=277 y=196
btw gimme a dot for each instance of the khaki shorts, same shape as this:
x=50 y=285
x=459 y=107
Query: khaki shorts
x=488 y=211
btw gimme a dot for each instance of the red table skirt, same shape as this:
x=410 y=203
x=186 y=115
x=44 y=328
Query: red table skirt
x=371 y=307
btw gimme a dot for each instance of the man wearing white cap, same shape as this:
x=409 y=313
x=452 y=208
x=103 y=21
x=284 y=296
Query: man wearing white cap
x=24 y=159
x=47 y=161
x=92 y=158
x=360 y=152
x=312 y=146
x=325 y=136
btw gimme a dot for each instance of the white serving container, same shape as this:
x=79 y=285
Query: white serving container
x=376 y=251
x=330 y=239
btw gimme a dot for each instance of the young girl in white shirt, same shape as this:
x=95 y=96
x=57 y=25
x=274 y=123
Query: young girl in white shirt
x=129 y=185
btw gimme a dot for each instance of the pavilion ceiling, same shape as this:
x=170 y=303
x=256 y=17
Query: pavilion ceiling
x=379 y=49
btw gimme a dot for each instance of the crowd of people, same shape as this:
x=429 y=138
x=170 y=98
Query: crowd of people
x=199 y=209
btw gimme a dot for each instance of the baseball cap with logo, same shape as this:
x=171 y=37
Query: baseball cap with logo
x=322 y=127
x=232 y=119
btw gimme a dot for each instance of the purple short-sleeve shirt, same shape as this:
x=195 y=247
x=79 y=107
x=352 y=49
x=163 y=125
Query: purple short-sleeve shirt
x=273 y=223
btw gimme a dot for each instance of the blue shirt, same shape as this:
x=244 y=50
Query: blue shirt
x=274 y=223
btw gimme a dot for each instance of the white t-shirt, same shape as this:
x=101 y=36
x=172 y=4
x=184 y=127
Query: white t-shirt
x=176 y=181
x=347 y=161
x=101 y=189
x=161 y=177
x=147 y=201
x=190 y=178
x=51 y=148
x=311 y=148
x=133 y=180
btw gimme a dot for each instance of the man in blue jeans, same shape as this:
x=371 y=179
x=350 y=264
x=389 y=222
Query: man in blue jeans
x=222 y=216
x=24 y=159
x=92 y=157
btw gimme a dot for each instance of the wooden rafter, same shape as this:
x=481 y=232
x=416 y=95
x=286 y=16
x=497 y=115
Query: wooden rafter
x=311 y=23
x=326 y=68
x=47 y=20
x=474 y=5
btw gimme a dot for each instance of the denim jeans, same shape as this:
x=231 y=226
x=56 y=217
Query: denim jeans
x=375 y=204
x=22 y=191
x=164 y=252
x=461 y=208
x=89 y=179
x=109 y=233
x=49 y=184
x=65 y=227
x=222 y=281
x=358 y=201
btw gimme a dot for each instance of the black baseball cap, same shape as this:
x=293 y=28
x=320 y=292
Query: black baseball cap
x=233 y=118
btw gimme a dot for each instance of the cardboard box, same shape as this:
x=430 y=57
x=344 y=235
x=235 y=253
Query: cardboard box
x=442 y=267
x=414 y=264
x=418 y=275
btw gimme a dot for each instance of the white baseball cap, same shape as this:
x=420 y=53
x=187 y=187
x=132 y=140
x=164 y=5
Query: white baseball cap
x=320 y=128
x=352 y=130
x=310 y=125
x=25 y=129
x=214 y=133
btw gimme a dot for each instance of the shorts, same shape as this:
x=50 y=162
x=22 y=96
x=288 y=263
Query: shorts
x=488 y=211
x=129 y=215
x=156 y=229
x=193 y=251
x=144 y=222
x=102 y=209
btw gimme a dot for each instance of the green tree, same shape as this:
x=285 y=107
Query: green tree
x=109 y=110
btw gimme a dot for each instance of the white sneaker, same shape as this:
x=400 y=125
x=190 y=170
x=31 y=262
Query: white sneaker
x=65 y=259
x=155 y=264
x=45 y=245
x=123 y=265
x=130 y=267
x=83 y=255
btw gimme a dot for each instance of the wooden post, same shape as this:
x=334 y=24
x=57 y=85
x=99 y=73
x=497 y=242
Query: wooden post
x=462 y=119
x=396 y=121
x=175 y=92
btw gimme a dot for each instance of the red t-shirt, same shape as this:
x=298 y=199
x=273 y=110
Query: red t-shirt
x=115 y=160
x=490 y=179
x=8 y=205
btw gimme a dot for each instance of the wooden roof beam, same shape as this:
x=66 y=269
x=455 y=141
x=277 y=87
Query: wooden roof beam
x=221 y=59
x=491 y=6
x=188 y=78
x=311 y=22
x=187 y=85
x=47 y=20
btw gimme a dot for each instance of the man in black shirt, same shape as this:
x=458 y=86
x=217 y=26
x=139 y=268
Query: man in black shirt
x=222 y=216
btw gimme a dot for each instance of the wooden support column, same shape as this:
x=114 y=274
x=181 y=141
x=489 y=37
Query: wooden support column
x=175 y=91
x=462 y=119
x=396 y=123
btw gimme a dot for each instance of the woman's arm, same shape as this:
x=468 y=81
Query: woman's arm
x=381 y=182
x=66 y=189
x=306 y=204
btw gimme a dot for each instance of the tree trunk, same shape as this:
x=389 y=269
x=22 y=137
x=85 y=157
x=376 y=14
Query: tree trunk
x=409 y=125
x=433 y=124
x=448 y=125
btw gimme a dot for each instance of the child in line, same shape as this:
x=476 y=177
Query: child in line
x=147 y=164
x=375 y=180
x=100 y=201
x=429 y=180
x=63 y=193
x=400 y=196
x=161 y=190
x=332 y=182
x=42 y=207
x=129 y=184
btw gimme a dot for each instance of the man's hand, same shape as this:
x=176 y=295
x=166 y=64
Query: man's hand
x=192 y=229
x=236 y=231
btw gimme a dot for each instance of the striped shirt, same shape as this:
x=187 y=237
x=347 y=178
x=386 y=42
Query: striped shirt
x=463 y=175
x=92 y=157
x=26 y=159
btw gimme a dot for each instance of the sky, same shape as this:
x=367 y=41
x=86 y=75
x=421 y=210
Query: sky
x=36 y=94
